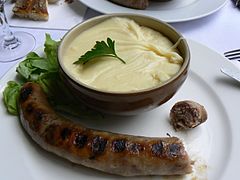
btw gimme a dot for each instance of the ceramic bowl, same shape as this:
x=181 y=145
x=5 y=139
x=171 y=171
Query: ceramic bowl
x=127 y=103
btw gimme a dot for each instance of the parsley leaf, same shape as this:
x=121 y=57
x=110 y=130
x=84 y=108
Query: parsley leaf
x=100 y=49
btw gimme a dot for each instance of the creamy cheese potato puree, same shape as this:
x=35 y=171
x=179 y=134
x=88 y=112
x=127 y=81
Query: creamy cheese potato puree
x=149 y=56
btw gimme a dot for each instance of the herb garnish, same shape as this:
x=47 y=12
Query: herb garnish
x=100 y=49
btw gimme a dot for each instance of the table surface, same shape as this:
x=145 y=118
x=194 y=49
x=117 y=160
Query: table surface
x=219 y=31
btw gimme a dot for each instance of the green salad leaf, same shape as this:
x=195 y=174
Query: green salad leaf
x=10 y=96
x=34 y=66
x=44 y=70
x=50 y=50
x=100 y=49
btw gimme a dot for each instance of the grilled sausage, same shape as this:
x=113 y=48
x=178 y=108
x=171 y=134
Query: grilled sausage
x=136 y=4
x=109 y=152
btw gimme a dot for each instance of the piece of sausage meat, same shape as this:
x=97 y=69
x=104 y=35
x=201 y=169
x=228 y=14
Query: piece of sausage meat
x=113 y=153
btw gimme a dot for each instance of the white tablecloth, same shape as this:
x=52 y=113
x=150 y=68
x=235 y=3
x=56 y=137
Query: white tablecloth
x=219 y=31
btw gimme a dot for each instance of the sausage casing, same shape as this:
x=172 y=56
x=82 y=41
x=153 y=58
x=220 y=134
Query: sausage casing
x=113 y=153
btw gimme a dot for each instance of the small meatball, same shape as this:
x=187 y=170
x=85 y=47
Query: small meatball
x=187 y=115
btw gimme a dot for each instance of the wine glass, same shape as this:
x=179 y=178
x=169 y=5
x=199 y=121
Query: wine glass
x=13 y=45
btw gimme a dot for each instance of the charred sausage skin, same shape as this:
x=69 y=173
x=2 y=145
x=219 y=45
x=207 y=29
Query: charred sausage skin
x=113 y=153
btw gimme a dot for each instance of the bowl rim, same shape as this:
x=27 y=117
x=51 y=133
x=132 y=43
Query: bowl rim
x=106 y=16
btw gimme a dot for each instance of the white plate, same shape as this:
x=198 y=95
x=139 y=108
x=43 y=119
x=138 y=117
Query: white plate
x=214 y=143
x=169 y=11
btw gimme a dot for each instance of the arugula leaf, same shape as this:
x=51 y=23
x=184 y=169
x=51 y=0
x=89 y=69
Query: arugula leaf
x=100 y=49
x=10 y=96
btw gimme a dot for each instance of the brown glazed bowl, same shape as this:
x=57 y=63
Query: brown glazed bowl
x=133 y=102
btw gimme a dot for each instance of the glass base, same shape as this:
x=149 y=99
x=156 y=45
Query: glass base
x=26 y=44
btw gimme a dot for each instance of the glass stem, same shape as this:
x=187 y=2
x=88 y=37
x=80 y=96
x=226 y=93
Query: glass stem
x=10 y=41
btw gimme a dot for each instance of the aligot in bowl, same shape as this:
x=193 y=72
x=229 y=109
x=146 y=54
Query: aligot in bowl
x=151 y=76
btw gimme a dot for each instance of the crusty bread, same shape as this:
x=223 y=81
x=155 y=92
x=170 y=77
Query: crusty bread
x=32 y=9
